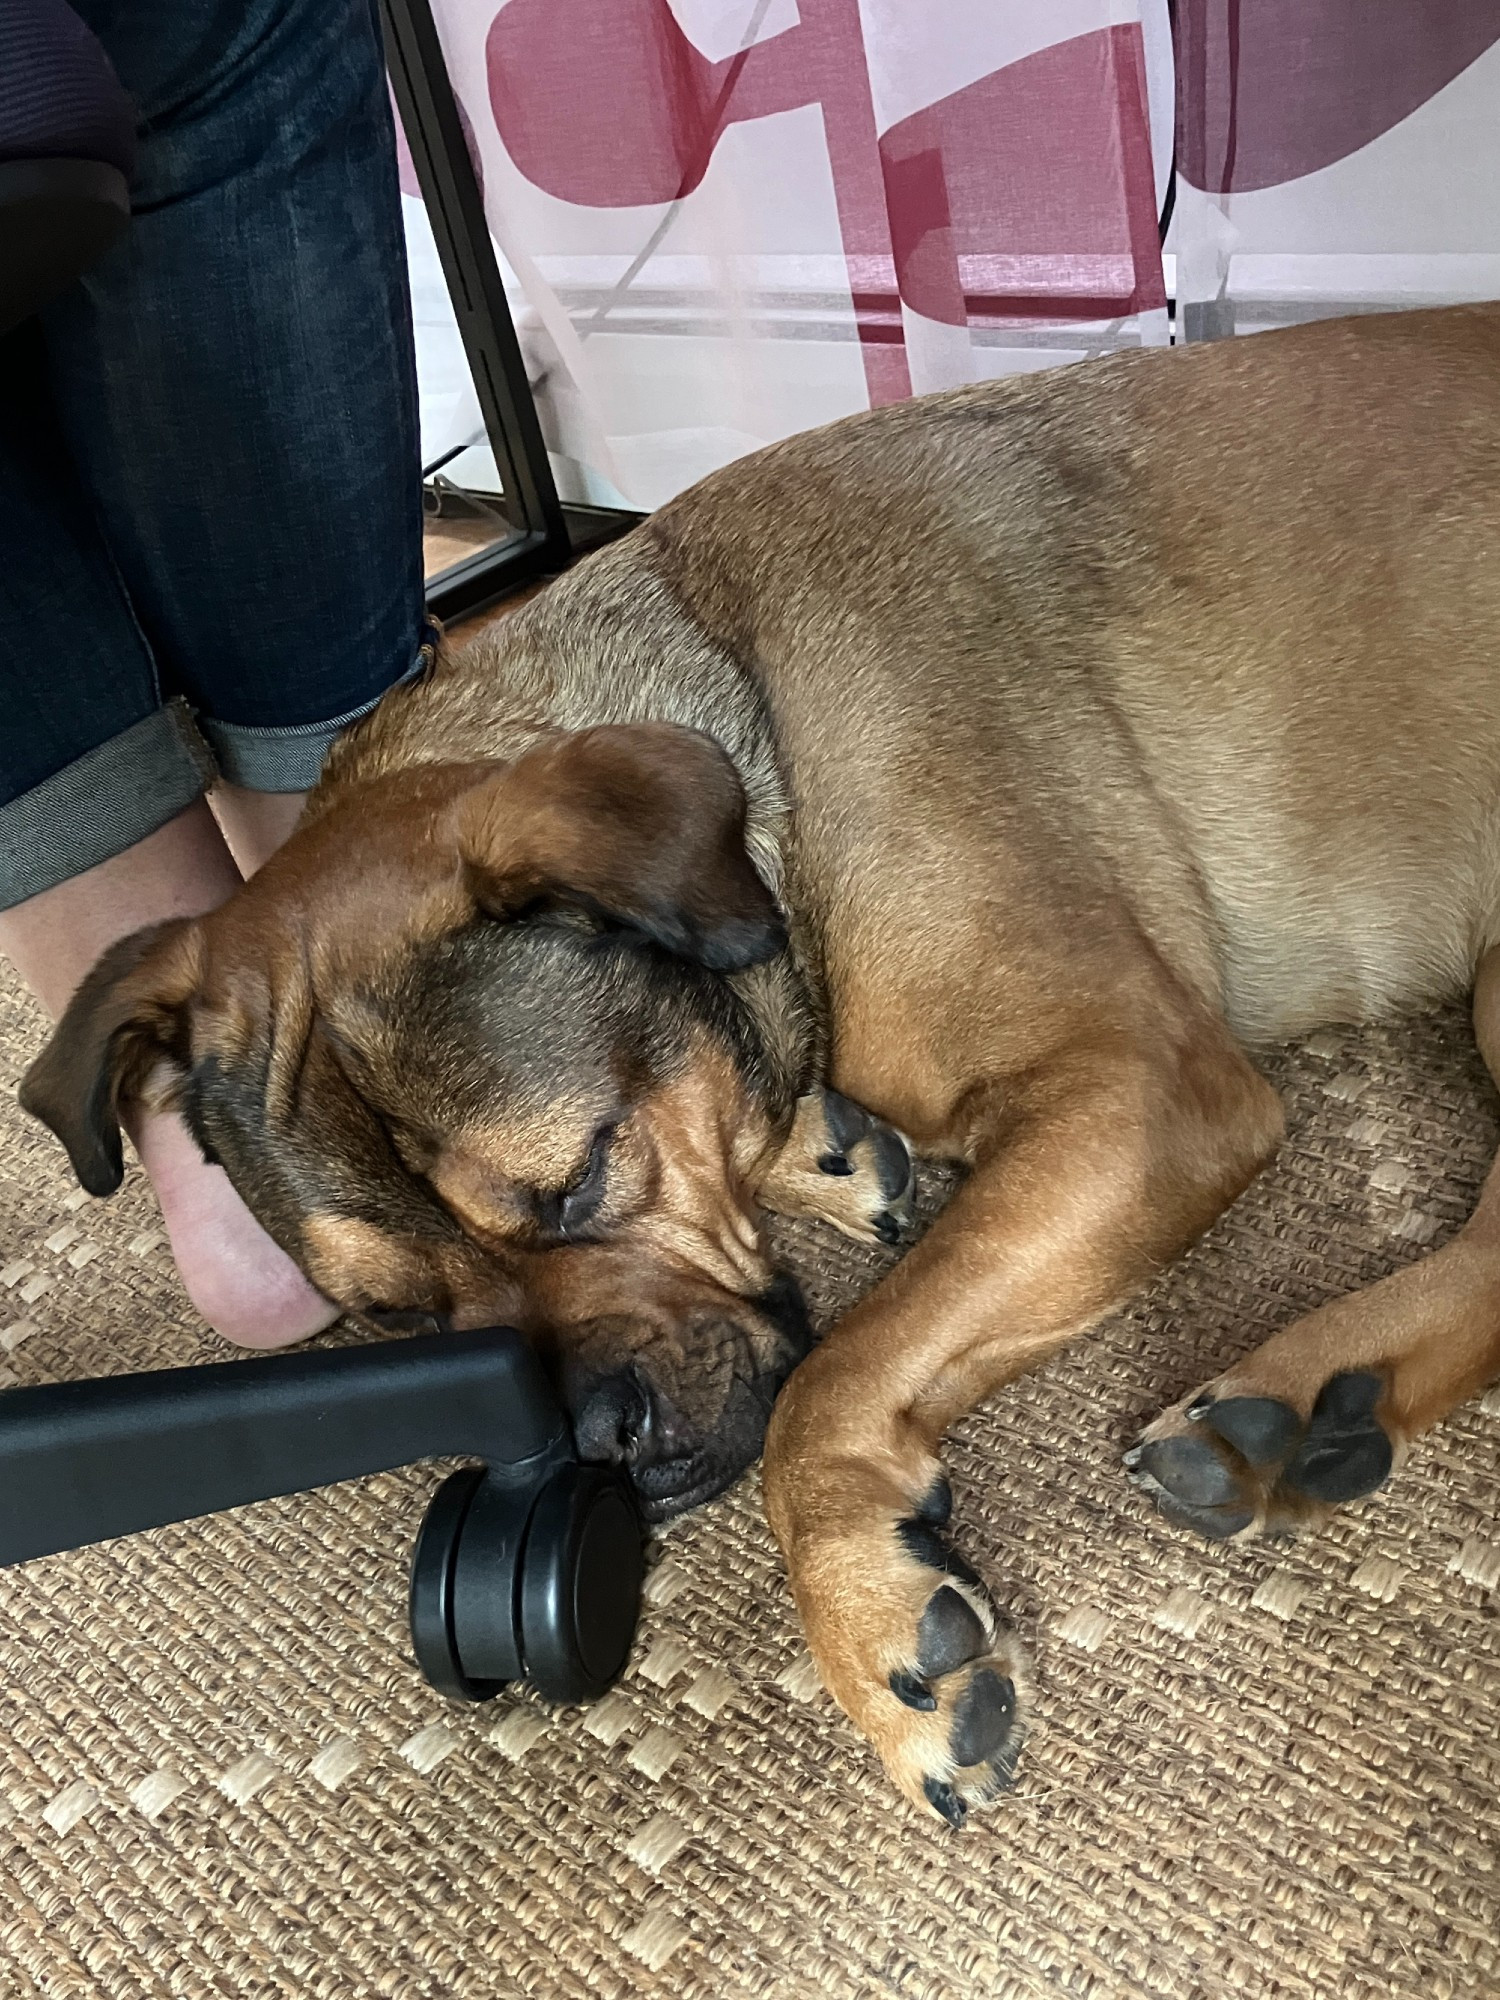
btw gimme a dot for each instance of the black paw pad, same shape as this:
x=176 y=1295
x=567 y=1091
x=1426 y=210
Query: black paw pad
x=887 y=1227
x=1261 y=1429
x=950 y=1634
x=1187 y=1469
x=1345 y=1453
x=936 y=1505
x=846 y=1122
x=982 y=1719
x=921 y=1540
x=943 y=1799
x=892 y=1162
x=912 y=1690
x=1347 y=1399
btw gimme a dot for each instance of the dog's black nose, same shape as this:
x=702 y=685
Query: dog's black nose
x=618 y=1422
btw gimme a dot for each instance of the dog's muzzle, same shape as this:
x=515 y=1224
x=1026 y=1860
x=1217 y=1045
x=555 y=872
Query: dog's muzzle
x=624 y=1418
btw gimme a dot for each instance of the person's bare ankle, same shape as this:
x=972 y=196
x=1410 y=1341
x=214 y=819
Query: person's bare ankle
x=241 y=1281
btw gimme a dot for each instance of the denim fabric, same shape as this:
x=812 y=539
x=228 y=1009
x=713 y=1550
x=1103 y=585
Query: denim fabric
x=209 y=465
x=103 y=802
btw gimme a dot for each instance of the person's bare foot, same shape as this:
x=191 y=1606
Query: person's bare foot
x=243 y=1283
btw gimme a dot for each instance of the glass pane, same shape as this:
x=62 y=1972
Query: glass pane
x=463 y=505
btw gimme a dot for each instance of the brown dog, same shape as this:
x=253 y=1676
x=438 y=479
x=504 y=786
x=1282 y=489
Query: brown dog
x=1007 y=761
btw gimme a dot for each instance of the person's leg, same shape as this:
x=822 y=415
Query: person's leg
x=238 y=383
x=180 y=870
x=237 y=389
x=92 y=759
x=103 y=825
x=254 y=824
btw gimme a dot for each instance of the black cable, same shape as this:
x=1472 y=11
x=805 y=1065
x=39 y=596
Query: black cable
x=1171 y=199
x=438 y=463
x=694 y=168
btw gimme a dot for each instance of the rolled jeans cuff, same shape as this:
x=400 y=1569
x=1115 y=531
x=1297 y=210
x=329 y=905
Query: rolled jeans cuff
x=102 y=803
x=288 y=759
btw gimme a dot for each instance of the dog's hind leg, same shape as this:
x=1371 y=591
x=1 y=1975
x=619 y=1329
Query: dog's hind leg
x=1096 y=1167
x=1324 y=1411
x=845 y=1166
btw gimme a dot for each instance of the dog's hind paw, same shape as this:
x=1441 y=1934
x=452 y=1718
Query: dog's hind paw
x=1228 y=1462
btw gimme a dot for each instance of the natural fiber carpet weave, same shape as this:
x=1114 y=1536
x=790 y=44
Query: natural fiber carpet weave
x=1257 y=1772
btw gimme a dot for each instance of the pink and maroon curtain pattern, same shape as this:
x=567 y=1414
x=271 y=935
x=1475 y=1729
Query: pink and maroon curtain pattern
x=1027 y=192
x=726 y=220
x=1334 y=156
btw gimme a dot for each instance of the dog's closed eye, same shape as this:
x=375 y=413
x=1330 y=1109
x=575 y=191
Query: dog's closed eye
x=567 y=1211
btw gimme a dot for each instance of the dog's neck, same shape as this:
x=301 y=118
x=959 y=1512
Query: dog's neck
x=579 y=655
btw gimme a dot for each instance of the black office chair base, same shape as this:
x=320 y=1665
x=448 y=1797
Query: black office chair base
x=527 y=1567
x=57 y=217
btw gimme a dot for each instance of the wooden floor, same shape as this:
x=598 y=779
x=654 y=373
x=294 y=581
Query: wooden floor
x=448 y=542
x=445 y=542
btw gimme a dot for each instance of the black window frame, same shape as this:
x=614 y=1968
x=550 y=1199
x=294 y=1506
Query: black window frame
x=546 y=535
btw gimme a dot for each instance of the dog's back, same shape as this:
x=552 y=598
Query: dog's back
x=1235 y=610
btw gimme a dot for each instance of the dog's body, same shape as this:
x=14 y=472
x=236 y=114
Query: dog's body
x=1090 y=727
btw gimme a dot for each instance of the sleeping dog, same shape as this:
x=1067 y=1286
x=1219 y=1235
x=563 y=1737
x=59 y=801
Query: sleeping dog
x=994 y=769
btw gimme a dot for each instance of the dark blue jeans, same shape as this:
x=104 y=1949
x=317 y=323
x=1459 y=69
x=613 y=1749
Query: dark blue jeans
x=210 y=499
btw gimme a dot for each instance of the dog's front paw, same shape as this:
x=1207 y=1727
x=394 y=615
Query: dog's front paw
x=910 y=1646
x=1236 y=1459
x=874 y=1183
x=845 y=1166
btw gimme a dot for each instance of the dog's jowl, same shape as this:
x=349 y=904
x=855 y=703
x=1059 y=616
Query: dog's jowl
x=996 y=770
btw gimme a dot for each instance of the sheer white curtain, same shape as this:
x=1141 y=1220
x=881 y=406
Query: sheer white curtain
x=728 y=220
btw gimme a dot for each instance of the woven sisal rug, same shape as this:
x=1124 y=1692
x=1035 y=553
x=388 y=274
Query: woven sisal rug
x=1254 y=1772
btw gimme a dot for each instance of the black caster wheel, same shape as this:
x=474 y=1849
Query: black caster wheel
x=511 y=1583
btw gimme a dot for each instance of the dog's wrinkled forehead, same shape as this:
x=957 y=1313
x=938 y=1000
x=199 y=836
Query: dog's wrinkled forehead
x=323 y=1094
x=522 y=1020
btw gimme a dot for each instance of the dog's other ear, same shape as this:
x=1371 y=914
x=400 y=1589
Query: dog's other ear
x=128 y=1014
x=640 y=823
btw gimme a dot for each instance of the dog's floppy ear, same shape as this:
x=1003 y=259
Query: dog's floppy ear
x=129 y=1012
x=641 y=823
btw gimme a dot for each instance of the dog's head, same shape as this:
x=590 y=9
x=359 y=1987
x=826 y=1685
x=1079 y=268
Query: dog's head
x=475 y=1047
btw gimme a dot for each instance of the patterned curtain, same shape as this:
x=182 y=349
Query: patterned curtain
x=728 y=220
x=723 y=221
x=1334 y=156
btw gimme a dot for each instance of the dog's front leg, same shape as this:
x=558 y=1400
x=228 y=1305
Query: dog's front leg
x=1091 y=1178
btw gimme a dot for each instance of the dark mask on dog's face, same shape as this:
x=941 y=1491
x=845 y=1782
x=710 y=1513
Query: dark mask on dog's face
x=475 y=1048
